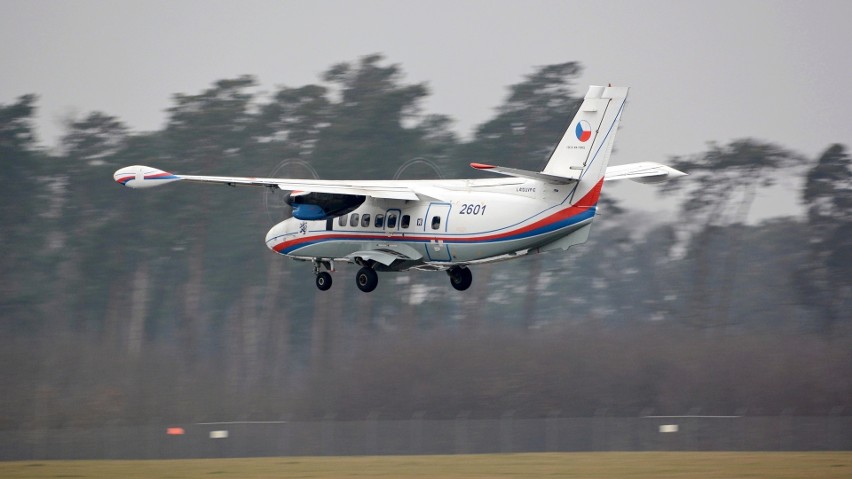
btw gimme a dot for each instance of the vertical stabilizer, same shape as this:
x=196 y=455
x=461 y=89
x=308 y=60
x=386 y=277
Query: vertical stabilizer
x=583 y=153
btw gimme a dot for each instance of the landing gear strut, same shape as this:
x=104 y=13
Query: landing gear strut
x=460 y=277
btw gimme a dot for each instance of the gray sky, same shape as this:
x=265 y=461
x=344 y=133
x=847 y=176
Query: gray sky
x=699 y=71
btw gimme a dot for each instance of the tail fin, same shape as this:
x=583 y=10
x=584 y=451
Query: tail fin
x=583 y=153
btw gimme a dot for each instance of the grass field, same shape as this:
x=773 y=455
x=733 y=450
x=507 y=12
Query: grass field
x=692 y=465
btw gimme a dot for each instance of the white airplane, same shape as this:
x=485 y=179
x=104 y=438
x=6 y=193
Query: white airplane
x=446 y=225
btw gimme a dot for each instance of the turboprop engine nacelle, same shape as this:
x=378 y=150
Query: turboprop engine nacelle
x=311 y=206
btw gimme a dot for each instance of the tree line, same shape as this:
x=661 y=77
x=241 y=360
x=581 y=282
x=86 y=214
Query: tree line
x=118 y=307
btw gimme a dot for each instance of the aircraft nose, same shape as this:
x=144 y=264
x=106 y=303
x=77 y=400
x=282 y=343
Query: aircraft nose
x=275 y=236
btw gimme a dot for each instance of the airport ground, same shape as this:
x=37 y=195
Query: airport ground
x=636 y=465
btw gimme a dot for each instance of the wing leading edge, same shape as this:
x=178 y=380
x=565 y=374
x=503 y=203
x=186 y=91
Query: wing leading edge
x=138 y=176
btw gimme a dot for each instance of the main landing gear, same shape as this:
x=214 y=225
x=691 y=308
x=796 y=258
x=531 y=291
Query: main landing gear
x=367 y=279
x=460 y=277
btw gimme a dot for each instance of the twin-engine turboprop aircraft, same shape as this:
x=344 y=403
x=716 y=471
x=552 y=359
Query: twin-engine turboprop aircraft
x=446 y=225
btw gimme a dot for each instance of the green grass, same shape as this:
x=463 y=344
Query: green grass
x=691 y=465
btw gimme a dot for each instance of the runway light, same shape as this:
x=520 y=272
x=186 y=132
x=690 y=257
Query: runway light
x=175 y=431
x=218 y=434
x=668 y=428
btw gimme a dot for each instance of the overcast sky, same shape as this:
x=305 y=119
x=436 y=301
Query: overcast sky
x=699 y=71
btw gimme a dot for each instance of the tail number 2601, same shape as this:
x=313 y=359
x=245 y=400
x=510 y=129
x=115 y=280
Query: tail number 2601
x=472 y=209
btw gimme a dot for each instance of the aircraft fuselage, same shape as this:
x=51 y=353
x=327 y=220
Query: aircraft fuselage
x=476 y=221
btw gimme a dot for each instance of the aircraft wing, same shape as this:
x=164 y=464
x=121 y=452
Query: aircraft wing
x=145 y=177
x=644 y=172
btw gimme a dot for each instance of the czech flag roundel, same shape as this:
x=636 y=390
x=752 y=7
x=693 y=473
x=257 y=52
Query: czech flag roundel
x=584 y=130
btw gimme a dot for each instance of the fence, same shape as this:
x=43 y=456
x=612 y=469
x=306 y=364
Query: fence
x=426 y=436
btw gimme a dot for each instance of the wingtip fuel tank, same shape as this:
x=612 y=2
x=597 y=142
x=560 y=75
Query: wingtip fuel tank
x=138 y=176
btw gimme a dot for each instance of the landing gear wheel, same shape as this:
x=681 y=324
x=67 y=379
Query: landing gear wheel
x=366 y=279
x=460 y=278
x=323 y=281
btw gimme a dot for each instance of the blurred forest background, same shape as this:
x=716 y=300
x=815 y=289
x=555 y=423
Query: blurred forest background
x=120 y=307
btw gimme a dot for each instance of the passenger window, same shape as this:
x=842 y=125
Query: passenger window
x=406 y=220
x=391 y=221
x=436 y=222
x=354 y=221
x=380 y=221
x=342 y=220
x=365 y=220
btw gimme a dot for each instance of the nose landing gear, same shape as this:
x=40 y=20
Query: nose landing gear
x=323 y=278
x=323 y=281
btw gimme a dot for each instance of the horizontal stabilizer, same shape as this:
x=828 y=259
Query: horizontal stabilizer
x=644 y=172
x=533 y=175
